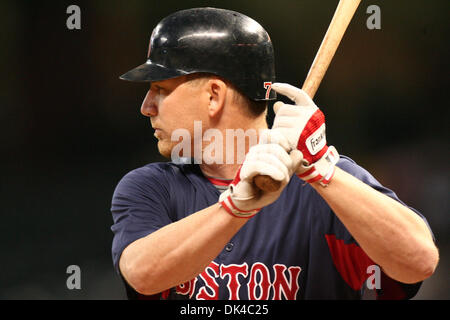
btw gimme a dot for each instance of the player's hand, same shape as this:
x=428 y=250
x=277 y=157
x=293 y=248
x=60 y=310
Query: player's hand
x=269 y=157
x=303 y=124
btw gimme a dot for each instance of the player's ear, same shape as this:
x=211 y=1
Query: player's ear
x=217 y=90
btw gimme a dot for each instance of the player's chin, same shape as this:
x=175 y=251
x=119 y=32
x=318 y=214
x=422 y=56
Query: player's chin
x=174 y=150
x=165 y=149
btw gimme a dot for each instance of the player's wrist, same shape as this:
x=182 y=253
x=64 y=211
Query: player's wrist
x=226 y=201
x=322 y=171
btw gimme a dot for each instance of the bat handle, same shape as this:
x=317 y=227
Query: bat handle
x=266 y=183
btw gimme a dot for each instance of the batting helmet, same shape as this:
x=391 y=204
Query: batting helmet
x=210 y=40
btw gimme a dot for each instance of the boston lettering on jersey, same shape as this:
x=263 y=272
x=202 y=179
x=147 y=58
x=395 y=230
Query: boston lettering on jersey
x=256 y=280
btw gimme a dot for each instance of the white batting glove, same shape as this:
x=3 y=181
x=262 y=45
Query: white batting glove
x=269 y=157
x=303 y=124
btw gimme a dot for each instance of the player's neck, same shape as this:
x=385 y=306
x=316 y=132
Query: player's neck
x=236 y=142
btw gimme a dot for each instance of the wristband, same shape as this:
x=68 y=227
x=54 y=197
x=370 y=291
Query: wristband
x=323 y=169
x=227 y=203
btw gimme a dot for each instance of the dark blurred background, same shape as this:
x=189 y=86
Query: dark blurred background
x=70 y=129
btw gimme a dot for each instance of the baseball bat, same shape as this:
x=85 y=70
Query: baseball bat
x=339 y=23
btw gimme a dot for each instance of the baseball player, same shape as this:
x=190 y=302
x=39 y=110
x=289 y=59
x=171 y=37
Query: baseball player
x=202 y=230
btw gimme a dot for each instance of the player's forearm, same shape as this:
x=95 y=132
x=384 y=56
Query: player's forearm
x=178 y=252
x=391 y=234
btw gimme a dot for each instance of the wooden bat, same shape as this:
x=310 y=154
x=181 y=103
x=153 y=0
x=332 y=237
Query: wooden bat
x=341 y=19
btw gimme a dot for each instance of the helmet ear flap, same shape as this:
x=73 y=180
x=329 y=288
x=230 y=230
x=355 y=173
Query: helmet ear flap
x=215 y=41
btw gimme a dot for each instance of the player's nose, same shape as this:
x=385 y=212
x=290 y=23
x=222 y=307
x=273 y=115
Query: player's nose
x=149 y=107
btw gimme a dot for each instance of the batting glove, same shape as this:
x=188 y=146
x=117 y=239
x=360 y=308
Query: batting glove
x=269 y=157
x=303 y=124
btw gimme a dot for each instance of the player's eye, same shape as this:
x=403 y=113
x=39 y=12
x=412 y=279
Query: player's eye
x=158 y=88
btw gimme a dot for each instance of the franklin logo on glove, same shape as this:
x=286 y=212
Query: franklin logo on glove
x=317 y=140
x=303 y=124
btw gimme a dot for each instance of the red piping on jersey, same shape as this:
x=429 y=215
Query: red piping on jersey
x=351 y=262
x=219 y=182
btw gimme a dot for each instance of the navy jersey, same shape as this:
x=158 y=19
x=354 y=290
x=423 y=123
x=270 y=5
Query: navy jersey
x=295 y=248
